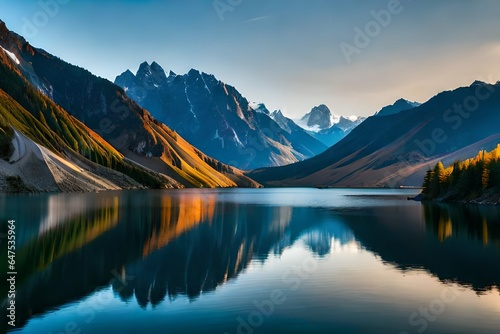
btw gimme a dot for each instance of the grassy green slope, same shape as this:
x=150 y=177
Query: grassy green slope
x=40 y=119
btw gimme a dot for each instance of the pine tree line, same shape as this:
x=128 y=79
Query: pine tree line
x=464 y=179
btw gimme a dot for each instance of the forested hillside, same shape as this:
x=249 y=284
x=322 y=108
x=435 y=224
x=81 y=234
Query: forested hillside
x=472 y=180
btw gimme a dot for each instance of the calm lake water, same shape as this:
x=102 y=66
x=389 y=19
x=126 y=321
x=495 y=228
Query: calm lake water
x=252 y=261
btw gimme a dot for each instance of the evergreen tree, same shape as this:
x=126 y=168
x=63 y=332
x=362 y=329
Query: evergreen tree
x=465 y=179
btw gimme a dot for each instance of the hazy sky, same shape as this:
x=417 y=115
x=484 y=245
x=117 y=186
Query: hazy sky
x=289 y=54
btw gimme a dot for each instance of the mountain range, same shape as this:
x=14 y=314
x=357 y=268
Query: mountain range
x=216 y=118
x=64 y=129
x=398 y=148
x=98 y=138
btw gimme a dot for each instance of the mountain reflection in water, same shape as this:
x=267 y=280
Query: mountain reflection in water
x=453 y=242
x=152 y=247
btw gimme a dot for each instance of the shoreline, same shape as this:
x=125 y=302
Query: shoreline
x=489 y=197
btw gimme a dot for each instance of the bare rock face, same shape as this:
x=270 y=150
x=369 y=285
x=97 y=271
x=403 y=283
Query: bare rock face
x=319 y=116
x=216 y=118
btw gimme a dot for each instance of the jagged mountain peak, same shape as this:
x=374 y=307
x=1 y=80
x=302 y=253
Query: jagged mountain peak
x=326 y=127
x=143 y=67
x=193 y=72
x=154 y=68
x=259 y=107
x=154 y=64
x=127 y=75
x=149 y=75
x=126 y=79
x=3 y=26
x=277 y=113
x=158 y=71
x=197 y=73
x=323 y=107
x=216 y=118
x=320 y=117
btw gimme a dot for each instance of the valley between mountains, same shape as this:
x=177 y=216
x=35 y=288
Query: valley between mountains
x=64 y=129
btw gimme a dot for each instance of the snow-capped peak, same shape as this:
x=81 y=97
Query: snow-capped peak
x=258 y=107
x=11 y=55
x=353 y=118
x=334 y=119
x=321 y=118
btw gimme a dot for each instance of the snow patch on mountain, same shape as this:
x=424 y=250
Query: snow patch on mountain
x=259 y=107
x=334 y=119
x=353 y=118
x=303 y=124
x=11 y=55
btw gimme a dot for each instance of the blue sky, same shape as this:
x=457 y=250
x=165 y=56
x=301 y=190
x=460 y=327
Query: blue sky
x=289 y=54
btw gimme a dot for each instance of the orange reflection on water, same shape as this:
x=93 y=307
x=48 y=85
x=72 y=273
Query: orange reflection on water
x=485 y=232
x=475 y=222
x=178 y=215
x=445 y=228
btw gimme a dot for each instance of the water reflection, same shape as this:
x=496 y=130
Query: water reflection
x=455 y=243
x=153 y=246
x=458 y=222
x=148 y=247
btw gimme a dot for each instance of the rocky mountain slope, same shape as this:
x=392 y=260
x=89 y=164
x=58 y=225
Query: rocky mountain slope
x=216 y=118
x=111 y=117
x=397 y=149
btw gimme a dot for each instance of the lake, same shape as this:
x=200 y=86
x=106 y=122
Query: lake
x=251 y=261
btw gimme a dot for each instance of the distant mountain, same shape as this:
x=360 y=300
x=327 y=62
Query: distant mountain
x=397 y=107
x=337 y=131
x=108 y=117
x=398 y=149
x=302 y=137
x=319 y=117
x=326 y=127
x=216 y=118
